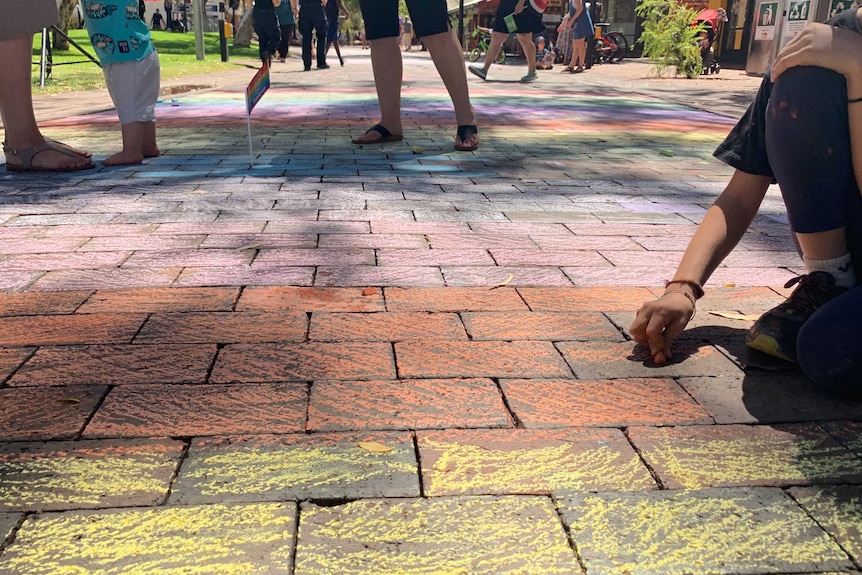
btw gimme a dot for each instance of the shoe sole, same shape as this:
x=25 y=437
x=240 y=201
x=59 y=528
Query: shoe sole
x=477 y=72
x=769 y=346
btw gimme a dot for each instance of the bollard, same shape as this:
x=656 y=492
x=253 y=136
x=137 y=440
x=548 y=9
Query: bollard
x=222 y=37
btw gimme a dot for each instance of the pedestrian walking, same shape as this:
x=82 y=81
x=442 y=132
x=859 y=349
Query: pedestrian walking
x=169 y=8
x=265 y=24
x=334 y=10
x=287 y=27
x=142 y=10
x=407 y=34
x=798 y=131
x=520 y=17
x=431 y=20
x=312 y=20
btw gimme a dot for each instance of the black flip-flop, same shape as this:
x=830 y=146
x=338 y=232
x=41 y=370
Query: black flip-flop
x=465 y=132
x=385 y=136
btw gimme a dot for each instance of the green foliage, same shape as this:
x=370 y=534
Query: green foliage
x=176 y=57
x=669 y=38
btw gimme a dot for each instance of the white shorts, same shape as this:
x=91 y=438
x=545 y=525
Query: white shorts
x=134 y=88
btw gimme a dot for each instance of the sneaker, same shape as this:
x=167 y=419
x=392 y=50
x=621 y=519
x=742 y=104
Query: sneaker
x=479 y=71
x=323 y=66
x=775 y=332
x=530 y=76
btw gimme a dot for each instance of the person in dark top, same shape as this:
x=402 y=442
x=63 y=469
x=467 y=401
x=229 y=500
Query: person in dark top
x=142 y=10
x=156 y=21
x=334 y=8
x=527 y=22
x=312 y=19
x=266 y=27
x=798 y=132
x=286 y=25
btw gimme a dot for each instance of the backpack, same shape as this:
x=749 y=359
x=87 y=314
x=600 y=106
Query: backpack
x=539 y=5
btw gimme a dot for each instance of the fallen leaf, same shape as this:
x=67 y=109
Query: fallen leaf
x=70 y=400
x=668 y=153
x=734 y=315
x=374 y=447
x=418 y=149
x=248 y=247
x=369 y=291
x=729 y=285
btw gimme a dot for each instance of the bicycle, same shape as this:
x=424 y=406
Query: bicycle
x=482 y=47
x=610 y=48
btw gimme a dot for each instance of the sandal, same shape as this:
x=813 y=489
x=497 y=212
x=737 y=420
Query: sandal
x=464 y=135
x=27 y=156
x=76 y=151
x=567 y=70
x=385 y=136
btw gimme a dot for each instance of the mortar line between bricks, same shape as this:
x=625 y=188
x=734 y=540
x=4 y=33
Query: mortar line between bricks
x=96 y=408
x=649 y=468
x=786 y=490
x=516 y=421
x=418 y=463
x=297 y=508
x=184 y=454
x=211 y=367
x=569 y=538
x=239 y=294
x=5 y=383
x=147 y=319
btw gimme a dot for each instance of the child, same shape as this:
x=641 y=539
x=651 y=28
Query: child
x=131 y=66
x=544 y=57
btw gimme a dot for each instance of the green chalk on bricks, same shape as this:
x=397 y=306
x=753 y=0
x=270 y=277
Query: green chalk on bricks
x=668 y=153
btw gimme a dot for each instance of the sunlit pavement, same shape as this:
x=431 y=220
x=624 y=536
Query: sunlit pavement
x=328 y=358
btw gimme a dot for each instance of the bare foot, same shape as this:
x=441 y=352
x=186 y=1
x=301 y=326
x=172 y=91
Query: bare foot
x=124 y=158
x=153 y=152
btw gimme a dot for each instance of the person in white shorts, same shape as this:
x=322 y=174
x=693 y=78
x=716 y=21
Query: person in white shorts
x=131 y=66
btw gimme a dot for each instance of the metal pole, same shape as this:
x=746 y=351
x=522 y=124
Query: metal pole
x=461 y=23
x=44 y=56
x=222 y=39
x=199 y=22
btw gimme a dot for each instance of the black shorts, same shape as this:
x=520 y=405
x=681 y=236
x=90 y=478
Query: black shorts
x=381 y=17
x=529 y=21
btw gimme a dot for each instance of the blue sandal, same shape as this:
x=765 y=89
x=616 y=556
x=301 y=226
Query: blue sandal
x=385 y=136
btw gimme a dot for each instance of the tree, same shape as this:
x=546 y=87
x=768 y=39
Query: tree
x=66 y=8
x=670 y=36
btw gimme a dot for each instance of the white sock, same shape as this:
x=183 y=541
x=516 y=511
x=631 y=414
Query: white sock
x=840 y=268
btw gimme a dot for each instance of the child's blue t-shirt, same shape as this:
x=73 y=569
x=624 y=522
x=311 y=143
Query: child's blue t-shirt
x=116 y=30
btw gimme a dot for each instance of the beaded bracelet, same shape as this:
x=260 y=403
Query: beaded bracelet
x=688 y=296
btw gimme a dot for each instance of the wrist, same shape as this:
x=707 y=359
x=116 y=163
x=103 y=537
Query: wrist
x=691 y=287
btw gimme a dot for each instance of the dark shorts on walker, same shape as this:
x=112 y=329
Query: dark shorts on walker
x=381 y=17
x=529 y=21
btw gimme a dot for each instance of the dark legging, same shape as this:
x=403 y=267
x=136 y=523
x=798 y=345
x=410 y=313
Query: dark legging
x=268 y=35
x=286 y=36
x=313 y=19
x=808 y=141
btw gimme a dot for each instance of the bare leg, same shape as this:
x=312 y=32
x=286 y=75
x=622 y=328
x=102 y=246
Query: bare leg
x=497 y=39
x=526 y=41
x=149 y=147
x=133 y=139
x=16 y=107
x=823 y=245
x=446 y=54
x=388 y=69
x=337 y=51
x=579 y=56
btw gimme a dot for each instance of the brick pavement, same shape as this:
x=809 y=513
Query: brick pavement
x=399 y=359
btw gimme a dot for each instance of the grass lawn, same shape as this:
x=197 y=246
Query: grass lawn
x=176 y=56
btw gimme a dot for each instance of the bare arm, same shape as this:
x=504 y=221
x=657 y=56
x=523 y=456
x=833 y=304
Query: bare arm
x=659 y=322
x=836 y=49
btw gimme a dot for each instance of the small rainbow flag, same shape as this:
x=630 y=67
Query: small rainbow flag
x=257 y=88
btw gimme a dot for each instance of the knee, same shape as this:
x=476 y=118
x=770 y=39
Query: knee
x=829 y=351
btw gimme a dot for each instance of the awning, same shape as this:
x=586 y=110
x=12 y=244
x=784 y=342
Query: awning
x=454 y=4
